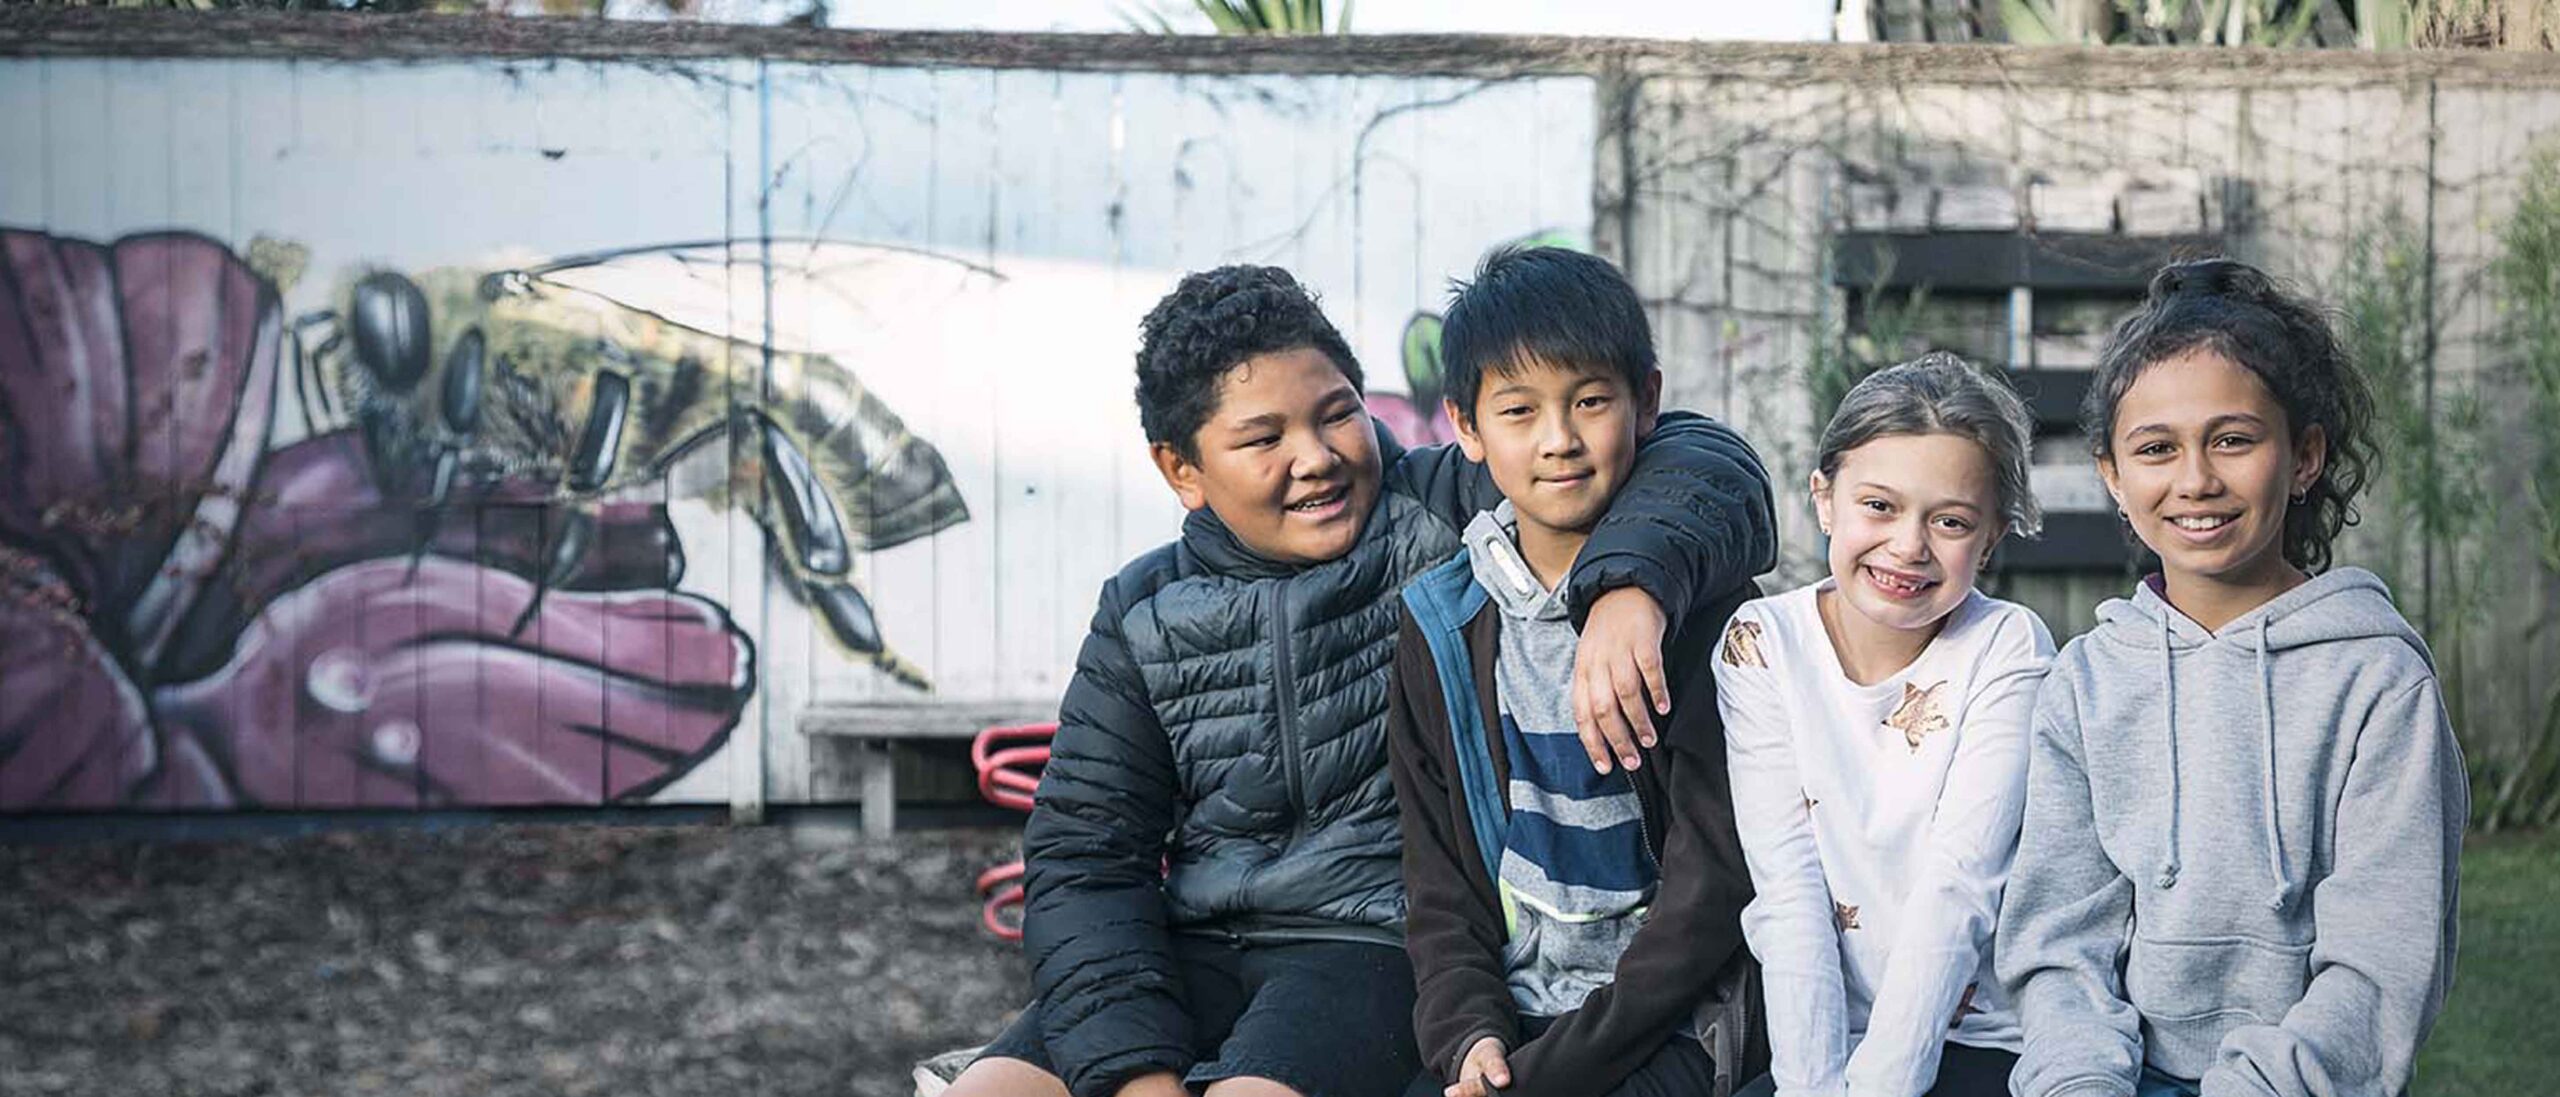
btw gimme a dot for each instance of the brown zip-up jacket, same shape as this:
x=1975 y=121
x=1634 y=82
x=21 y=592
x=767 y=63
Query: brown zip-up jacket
x=1691 y=941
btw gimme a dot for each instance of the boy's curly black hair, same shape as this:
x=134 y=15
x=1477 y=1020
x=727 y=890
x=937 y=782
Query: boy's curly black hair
x=2239 y=312
x=1212 y=323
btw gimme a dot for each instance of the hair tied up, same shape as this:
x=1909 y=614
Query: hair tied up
x=2211 y=277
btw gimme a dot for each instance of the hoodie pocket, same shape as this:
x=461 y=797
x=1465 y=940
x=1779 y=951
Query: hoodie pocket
x=2235 y=980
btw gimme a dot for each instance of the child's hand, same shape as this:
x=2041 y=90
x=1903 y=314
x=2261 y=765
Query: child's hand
x=1964 y=1007
x=1617 y=668
x=1482 y=1072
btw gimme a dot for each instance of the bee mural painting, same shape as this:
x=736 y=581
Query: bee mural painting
x=572 y=379
x=453 y=589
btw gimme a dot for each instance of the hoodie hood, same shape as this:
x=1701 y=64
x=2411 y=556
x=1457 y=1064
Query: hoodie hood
x=1493 y=551
x=2341 y=605
x=2344 y=604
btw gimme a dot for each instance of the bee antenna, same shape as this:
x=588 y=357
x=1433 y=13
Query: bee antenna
x=307 y=376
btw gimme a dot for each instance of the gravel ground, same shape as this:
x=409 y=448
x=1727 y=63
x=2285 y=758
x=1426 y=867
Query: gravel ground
x=497 y=960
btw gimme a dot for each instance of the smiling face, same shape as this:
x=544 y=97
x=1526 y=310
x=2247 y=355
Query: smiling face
x=1559 y=442
x=2202 y=461
x=1287 y=458
x=1911 y=519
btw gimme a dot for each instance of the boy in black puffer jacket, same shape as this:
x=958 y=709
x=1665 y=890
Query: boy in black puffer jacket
x=1214 y=890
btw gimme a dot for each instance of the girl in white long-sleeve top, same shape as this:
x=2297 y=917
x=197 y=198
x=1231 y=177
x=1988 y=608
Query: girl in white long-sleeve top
x=1876 y=723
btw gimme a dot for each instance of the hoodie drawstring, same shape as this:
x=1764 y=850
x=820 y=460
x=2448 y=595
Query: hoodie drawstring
x=2267 y=727
x=2267 y=721
x=2169 y=721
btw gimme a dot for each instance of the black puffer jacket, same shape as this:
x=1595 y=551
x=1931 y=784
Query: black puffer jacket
x=1220 y=762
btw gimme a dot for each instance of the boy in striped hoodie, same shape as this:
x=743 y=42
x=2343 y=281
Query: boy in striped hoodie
x=1564 y=924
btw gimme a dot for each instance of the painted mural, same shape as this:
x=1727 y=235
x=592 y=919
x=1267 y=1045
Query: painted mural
x=449 y=591
x=465 y=433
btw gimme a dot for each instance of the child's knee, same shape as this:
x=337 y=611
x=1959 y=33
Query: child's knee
x=997 y=1076
x=1248 y=1086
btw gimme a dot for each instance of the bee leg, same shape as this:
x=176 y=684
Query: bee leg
x=669 y=546
x=809 y=522
x=808 y=513
x=600 y=440
x=848 y=616
x=590 y=467
x=310 y=372
x=430 y=519
x=461 y=411
x=560 y=558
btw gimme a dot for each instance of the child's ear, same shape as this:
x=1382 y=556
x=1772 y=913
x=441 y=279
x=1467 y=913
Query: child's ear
x=2107 y=476
x=2310 y=458
x=1180 y=474
x=1468 y=442
x=1648 y=403
x=1819 y=486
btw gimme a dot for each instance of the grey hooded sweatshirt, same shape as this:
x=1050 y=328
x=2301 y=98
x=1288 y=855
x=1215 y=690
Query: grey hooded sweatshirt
x=2239 y=850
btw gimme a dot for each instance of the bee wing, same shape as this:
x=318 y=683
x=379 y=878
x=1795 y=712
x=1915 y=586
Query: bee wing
x=826 y=295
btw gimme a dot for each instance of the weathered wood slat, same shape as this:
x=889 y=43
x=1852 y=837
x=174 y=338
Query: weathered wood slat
x=108 y=32
x=920 y=720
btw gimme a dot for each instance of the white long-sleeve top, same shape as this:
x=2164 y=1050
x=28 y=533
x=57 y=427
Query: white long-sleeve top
x=1879 y=822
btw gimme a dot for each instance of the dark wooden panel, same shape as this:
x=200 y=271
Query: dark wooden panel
x=2072 y=541
x=2053 y=397
x=1988 y=262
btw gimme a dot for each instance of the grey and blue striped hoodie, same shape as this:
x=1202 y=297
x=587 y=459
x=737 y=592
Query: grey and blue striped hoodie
x=1576 y=875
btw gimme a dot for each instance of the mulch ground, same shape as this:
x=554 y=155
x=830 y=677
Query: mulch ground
x=496 y=960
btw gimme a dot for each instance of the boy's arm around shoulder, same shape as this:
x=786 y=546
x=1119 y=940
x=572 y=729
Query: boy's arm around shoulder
x=1694 y=933
x=1695 y=521
x=2382 y=944
x=1094 y=912
x=1453 y=922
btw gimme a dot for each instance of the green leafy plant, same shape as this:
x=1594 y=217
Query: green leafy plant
x=2526 y=280
x=2431 y=488
x=1255 y=17
x=2382 y=295
x=1889 y=322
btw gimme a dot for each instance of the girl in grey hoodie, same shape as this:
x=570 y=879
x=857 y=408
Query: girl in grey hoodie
x=2245 y=804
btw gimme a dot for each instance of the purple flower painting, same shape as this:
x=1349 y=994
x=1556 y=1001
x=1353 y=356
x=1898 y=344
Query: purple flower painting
x=191 y=619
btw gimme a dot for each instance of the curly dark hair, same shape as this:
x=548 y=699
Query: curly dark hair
x=1212 y=323
x=2237 y=311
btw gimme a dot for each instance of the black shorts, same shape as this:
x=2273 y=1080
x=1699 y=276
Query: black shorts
x=1325 y=1018
x=1963 y=1071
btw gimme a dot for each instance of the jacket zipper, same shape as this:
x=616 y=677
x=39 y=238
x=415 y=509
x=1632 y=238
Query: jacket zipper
x=1644 y=830
x=1285 y=685
x=1740 y=1016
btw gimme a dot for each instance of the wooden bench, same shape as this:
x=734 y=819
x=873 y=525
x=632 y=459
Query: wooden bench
x=873 y=728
